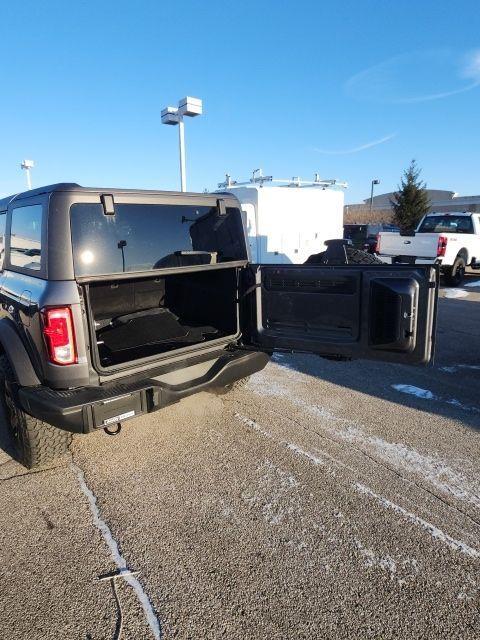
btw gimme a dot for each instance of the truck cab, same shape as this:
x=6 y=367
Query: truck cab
x=116 y=303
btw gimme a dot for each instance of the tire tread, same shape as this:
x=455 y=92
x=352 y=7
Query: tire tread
x=39 y=444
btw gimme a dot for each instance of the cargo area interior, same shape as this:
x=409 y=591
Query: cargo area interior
x=144 y=317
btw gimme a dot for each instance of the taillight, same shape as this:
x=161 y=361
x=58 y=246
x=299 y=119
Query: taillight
x=441 y=246
x=59 y=335
x=377 y=244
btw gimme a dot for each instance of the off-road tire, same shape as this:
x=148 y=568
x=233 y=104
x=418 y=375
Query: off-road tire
x=234 y=386
x=455 y=276
x=37 y=444
x=357 y=256
x=354 y=256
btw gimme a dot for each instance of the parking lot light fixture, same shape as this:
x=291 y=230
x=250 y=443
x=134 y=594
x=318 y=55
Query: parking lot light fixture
x=27 y=165
x=374 y=182
x=189 y=107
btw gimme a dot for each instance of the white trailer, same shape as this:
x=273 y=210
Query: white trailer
x=288 y=220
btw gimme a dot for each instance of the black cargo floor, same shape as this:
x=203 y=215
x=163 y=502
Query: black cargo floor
x=152 y=327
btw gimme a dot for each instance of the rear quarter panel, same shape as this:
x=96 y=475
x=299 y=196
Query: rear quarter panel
x=22 y=299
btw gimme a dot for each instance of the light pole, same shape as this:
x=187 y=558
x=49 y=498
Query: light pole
x=371 y=193
x=27 y=165
x=190 y=107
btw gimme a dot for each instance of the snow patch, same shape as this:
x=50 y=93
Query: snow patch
x=431 y=469
x=400 y=569
x=301 y=452
x=117 y=557
x=425 y=394
x=475 y=283
x=289 y=445
x=371 y=559
x=253 y=425
x=469 y=590
x=434 y=531
x=271 y=495
x=455 y=293
x=415 y=391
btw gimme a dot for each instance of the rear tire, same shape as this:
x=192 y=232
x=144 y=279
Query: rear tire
x=37 y=444
x=456 y=275
x=357 y=256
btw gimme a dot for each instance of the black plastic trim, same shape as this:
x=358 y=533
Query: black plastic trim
x=77 y=410
x=17 y=354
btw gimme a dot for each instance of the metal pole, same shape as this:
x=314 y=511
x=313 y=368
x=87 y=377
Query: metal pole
x=371 y=196
x=181 y=143
x=29 y=179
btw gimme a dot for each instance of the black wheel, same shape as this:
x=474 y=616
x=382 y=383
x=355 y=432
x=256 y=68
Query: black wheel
x=37 y=444
x=238 y=384
x=456 y=275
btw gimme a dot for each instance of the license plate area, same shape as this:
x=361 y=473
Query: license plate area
x=110 y=412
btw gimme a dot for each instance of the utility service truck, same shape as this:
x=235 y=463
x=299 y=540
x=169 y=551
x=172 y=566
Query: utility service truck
x=288 y=220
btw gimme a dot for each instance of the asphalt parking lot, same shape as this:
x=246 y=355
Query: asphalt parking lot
x=324 y=500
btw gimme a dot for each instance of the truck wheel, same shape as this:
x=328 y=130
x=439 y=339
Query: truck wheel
x=238 y=384
x=37 y=444
x=456 y=274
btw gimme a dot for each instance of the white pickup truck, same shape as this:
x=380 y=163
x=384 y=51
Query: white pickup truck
x=451 y=240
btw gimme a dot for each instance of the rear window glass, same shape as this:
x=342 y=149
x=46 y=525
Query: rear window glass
x=446 y=224
x=142 y=237
x=26 y=237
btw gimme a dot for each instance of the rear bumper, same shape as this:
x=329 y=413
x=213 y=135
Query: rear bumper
x=89 y=408
x=409 y=260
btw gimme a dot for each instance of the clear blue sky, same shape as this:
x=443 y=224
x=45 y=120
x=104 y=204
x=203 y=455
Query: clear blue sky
x=353 y=90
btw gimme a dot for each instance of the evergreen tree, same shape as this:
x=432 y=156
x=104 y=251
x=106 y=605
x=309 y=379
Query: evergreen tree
x=410 y=203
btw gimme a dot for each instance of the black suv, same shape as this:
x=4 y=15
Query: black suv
x=364 y=236
x=117 y=302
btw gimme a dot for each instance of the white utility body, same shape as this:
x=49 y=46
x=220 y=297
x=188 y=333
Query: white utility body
x=288 y=220
x=450 y=239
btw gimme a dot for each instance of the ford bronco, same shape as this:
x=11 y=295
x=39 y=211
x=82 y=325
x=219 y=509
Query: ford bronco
x=116 y=303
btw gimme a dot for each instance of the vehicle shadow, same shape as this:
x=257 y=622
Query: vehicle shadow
x=451 y=384
x=9 y=465
x=6 y=441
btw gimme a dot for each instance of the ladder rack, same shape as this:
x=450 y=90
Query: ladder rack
x=260 y=179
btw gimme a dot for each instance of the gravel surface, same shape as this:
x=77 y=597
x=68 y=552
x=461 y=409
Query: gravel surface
x=323 y=500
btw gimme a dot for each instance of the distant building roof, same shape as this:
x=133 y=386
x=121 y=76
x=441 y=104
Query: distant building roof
x=440 y=201
x=383 y=200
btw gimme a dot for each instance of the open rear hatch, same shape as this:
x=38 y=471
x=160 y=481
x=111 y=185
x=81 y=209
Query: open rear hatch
x=140 y=318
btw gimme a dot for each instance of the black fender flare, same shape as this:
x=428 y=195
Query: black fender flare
x=11 y=344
